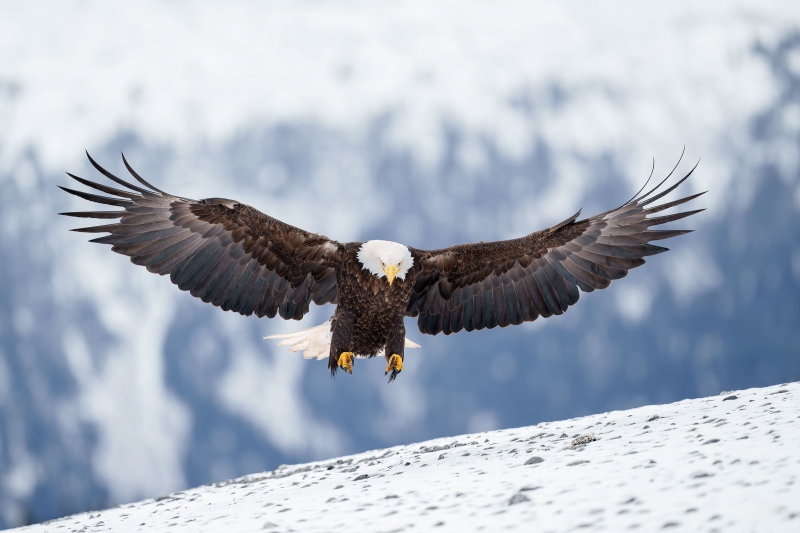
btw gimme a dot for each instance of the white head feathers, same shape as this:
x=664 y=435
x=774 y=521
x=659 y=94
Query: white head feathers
x=385 y=259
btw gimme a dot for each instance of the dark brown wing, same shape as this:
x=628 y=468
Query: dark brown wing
x=222 y=251
x=483 y=285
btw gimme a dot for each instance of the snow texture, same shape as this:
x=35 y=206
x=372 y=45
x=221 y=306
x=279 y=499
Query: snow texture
x=725 y=463
x=115 y=386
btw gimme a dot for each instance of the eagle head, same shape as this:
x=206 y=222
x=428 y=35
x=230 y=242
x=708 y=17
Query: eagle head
x=385 y=259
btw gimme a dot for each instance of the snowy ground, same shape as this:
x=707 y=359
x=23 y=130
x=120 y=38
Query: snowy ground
x=724 y=463
x=441 y=122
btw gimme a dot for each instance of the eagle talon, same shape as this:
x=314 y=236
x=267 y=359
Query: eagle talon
x=346 y=362
x=395 y=365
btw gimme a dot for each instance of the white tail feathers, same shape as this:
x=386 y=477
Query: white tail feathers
x=316 y=342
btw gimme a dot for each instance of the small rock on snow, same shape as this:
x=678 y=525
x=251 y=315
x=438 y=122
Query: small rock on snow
x=518 y=498
x=575 y=463
x=584 y=439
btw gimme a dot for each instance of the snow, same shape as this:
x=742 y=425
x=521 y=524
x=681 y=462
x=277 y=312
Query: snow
x=558 y=101
x=724 y=463
x=191 y=74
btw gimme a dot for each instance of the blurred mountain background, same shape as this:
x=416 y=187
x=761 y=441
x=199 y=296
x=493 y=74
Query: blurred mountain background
x=427 y=124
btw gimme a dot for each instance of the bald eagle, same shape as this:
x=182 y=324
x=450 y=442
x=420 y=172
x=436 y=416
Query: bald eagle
x=239 y=259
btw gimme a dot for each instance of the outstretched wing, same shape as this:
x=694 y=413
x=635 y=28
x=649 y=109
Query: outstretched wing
x=483 y=285
x=222 y=251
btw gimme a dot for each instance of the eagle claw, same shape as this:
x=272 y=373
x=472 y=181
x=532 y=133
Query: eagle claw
x=346 y=362
x=395 y=366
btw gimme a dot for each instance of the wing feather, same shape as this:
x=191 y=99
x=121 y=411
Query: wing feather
x=536 y=295
x=477 y=304
x=228 y=292
x=547 y=291
x=500 y=306
x=526 y=309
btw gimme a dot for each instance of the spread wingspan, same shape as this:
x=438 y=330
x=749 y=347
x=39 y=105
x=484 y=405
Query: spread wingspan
x=484 y=285
x=221 y=251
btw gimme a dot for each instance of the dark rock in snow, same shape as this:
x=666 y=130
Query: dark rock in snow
x=518 y=498
x=583 y=439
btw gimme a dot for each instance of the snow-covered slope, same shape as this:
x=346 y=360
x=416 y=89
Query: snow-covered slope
x=724 y=463
x=435 y=123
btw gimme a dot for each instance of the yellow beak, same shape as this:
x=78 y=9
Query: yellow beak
x=390 y=271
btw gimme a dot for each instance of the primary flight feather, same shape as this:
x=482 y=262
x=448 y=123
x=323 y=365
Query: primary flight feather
x=239 y=259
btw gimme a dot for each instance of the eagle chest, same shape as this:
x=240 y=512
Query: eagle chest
x=376 y=306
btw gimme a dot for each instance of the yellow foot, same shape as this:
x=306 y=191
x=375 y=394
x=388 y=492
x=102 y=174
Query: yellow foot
x=395 y=365
x=346 y=362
